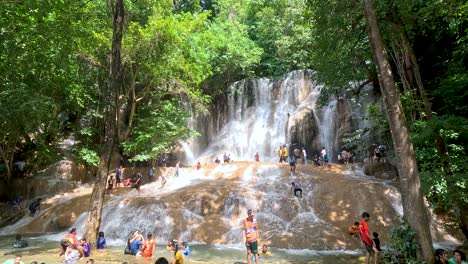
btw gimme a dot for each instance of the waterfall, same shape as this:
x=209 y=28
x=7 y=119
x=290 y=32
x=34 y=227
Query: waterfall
x=262 y=114
x=328 y=129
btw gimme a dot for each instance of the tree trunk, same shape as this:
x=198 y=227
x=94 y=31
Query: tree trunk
x=413 y=205
x=111 y=95
x=413 y=77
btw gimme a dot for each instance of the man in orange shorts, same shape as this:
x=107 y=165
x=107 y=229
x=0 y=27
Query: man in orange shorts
x=250 y=236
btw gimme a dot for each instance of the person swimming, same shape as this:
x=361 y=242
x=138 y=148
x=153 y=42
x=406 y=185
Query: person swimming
x=185 y=248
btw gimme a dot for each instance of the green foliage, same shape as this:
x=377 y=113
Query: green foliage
x=454 y=132
x=401 y=245
x=161 y=124
x=377 y=132
x=88 y=156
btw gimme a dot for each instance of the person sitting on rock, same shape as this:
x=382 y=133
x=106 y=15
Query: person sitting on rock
x=35 y=206
x=297 y=190
x=19 y=243
x=354 y=229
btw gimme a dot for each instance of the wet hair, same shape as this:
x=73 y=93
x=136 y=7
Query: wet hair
x=175 y=245
x=463 y=256
x=249 y=212
x=149 y=235
x=125 y=262
x=18 y=237
x=375 y=234
x=84 y=239
x=72 y=230
x=292 y=183
x=101 y=234
x=185 y=244
x=439 y=252
x=356 y=223
x=161 y=260
x=365 y=214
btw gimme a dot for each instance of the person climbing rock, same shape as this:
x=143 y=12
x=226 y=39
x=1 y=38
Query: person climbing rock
x=250 y=236
x=110 y=184
x=35 y=206
x=297 y=190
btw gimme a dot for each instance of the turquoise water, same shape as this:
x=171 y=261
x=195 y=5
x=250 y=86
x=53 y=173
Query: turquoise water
x=42 y=250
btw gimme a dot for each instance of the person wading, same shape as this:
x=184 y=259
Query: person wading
x=250 y=236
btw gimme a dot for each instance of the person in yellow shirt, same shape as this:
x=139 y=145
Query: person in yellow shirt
x=265 y=252
x=178 y=256
x=284 y=153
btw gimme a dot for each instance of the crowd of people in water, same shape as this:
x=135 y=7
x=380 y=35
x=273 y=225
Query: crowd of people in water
x=72 y=249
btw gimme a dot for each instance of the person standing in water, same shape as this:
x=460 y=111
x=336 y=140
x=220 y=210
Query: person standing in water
x=292 y=163
x=177 y=166
x=280 y=154
x=250 y=236
x=118 y=176
x=151 y=174
x=366 y=239
x=304 y=156
x=148 y=246
x=323 y=153
x=257 y=157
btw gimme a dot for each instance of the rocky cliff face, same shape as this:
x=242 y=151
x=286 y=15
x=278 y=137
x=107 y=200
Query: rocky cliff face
x=259 y=115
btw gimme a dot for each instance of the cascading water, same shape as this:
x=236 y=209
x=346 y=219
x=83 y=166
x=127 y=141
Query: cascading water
x=328 y=128
x=262 y=114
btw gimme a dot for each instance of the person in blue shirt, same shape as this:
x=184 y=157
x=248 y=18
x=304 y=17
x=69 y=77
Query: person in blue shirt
x=86 y=247
x=185 y=249
x=101 y=241
x=135 y=247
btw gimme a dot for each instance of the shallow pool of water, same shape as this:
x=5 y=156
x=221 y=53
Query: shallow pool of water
x=43 y=250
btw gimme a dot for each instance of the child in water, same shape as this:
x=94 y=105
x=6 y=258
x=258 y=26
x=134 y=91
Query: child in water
x=376 y=241
x=265 y=251
x=101 y=241
x=185 y=249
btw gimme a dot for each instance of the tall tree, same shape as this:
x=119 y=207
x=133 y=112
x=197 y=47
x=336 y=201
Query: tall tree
x=111 y=93
x=413 y=205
